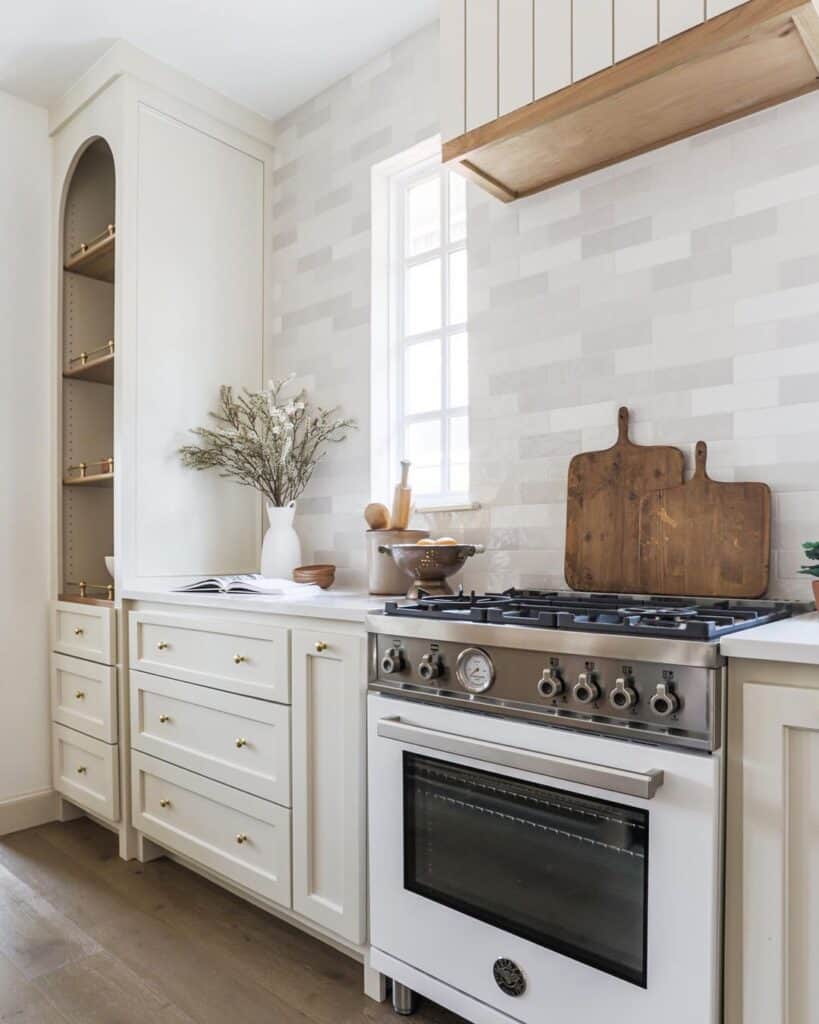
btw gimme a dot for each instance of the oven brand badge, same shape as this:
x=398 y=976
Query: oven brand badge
x=509 y=977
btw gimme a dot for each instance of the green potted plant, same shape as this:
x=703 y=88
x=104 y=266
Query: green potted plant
x=811 y=549
x=272 y=442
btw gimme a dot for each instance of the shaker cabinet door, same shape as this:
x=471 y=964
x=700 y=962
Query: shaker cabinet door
x=780 y=854
x=328 y=721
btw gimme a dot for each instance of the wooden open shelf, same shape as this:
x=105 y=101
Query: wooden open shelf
x=92 y=480
x=100 y=601
x=95 y=258
x=98 y=368
x=761 y=53
x=78 y=476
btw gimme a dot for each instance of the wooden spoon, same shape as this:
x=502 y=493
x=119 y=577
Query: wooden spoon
x=377 y=516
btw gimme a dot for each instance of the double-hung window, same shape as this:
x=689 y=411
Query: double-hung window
x=426 y=321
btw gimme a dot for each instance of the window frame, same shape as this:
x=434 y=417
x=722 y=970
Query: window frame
x=392 y=181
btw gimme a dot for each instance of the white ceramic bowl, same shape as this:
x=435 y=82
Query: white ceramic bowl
x=109 y=565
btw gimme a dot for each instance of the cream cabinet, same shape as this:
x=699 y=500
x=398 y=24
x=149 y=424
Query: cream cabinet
x=247 y=756
x=329 y=714
x=772 y=900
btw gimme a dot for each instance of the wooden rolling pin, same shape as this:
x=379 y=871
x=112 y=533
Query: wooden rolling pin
x=401 y=500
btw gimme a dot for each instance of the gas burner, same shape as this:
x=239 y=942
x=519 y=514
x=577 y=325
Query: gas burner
x=652 y=616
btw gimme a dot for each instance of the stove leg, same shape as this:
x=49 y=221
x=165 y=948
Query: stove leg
x=404 y=1000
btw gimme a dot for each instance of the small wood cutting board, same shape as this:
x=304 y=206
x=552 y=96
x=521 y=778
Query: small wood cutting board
x=706 y=539
x=602 y=518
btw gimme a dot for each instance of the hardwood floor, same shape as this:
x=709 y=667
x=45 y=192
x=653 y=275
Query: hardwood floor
x=87 y=938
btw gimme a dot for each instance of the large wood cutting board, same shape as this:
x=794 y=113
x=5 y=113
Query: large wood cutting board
x=706 y=539
x=602 y=520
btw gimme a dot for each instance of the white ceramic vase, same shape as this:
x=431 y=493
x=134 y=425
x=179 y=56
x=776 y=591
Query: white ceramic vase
x=281 y=547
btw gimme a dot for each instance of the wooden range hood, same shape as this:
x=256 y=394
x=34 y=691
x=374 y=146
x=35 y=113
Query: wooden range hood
x=757 y=55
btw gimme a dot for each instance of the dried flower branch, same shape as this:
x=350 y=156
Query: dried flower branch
x=267 y=442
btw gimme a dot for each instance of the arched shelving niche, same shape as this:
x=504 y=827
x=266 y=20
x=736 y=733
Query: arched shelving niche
x=88 y=360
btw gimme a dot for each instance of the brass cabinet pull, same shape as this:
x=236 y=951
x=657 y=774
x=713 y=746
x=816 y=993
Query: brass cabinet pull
x=241 y=838
x=82 y=770
x=164 y=803
x=241 y=742
x=239 y=658
x=162 y=645
x=79 y=631
x=164 y=718
x=80 y=695
x=321 y=646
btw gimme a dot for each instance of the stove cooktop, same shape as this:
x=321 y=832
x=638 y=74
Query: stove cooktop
x=674 y=617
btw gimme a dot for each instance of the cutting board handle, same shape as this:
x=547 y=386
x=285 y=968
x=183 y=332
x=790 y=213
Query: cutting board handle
x=700 y=457
x=622 y=425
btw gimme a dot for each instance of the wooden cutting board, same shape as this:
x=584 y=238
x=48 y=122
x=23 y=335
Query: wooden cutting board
x=602 y=521
x=706 y=539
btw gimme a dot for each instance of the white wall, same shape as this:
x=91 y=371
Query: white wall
x=24 y=453
x=683 y=283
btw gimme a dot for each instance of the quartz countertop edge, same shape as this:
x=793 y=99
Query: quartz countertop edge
x=794 y=640
x=342 y=605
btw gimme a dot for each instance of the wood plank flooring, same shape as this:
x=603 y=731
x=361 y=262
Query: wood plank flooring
x=86 y=938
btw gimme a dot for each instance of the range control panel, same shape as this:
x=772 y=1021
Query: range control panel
x=649 y=701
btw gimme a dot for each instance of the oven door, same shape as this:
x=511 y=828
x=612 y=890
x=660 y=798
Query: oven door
x=545 y=873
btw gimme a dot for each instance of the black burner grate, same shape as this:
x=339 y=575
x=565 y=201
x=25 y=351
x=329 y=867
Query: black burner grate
x=679 y=618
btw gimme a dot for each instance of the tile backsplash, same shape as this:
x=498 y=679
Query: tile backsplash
x=683 y=283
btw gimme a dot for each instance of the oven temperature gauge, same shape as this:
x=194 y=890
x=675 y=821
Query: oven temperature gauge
x=475 y=670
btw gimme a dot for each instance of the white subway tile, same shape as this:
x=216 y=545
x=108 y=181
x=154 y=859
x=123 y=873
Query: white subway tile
x=650 y=254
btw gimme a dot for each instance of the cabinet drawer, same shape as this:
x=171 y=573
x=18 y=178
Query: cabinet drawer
x=237 y=740
x=85 y=771
x=228 y=654
x=84 y=696
x=239 y=836
x=84 y=630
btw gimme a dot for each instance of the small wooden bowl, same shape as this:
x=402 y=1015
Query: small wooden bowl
x=323 y=575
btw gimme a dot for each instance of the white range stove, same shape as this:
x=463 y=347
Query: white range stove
x=546 y=779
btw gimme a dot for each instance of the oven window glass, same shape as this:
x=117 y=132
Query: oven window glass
x=565 y=871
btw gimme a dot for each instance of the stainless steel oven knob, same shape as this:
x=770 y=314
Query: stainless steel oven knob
x=622 y=696
x=430 y=666
x=664 y=702
x=586 y=689
x=551 y=683
x=393 y=661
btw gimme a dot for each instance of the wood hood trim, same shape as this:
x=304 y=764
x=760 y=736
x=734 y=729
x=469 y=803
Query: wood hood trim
x=752 y=57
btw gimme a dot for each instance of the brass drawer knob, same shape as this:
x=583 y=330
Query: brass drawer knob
x=241 y=839
x=165 y=803
x=82 y=770
x=321 y=646
x=164 y=718
x=241 y=742
x=79 y=631
x=80 y=695
x=239 y=658
x=162 y=645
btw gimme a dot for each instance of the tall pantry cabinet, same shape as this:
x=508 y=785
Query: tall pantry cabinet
x=161 y=218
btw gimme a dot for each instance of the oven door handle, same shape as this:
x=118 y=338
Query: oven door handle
x=618 y=780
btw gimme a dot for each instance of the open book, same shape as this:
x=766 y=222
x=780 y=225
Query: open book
x=250 y=583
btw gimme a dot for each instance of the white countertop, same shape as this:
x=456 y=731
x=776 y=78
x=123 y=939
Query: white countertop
x=790 y=640
x=337 y=603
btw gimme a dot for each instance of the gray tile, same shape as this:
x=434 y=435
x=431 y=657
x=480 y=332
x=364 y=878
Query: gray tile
x=319 y=258
x=698 y=375
x=371 y=144
x=619 y=237
x=710 y=263
x=541 y=446
x=748 y=228
x=804 y=388
x=798 y=272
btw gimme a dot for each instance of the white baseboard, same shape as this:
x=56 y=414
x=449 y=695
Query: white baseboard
x=27 y=811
